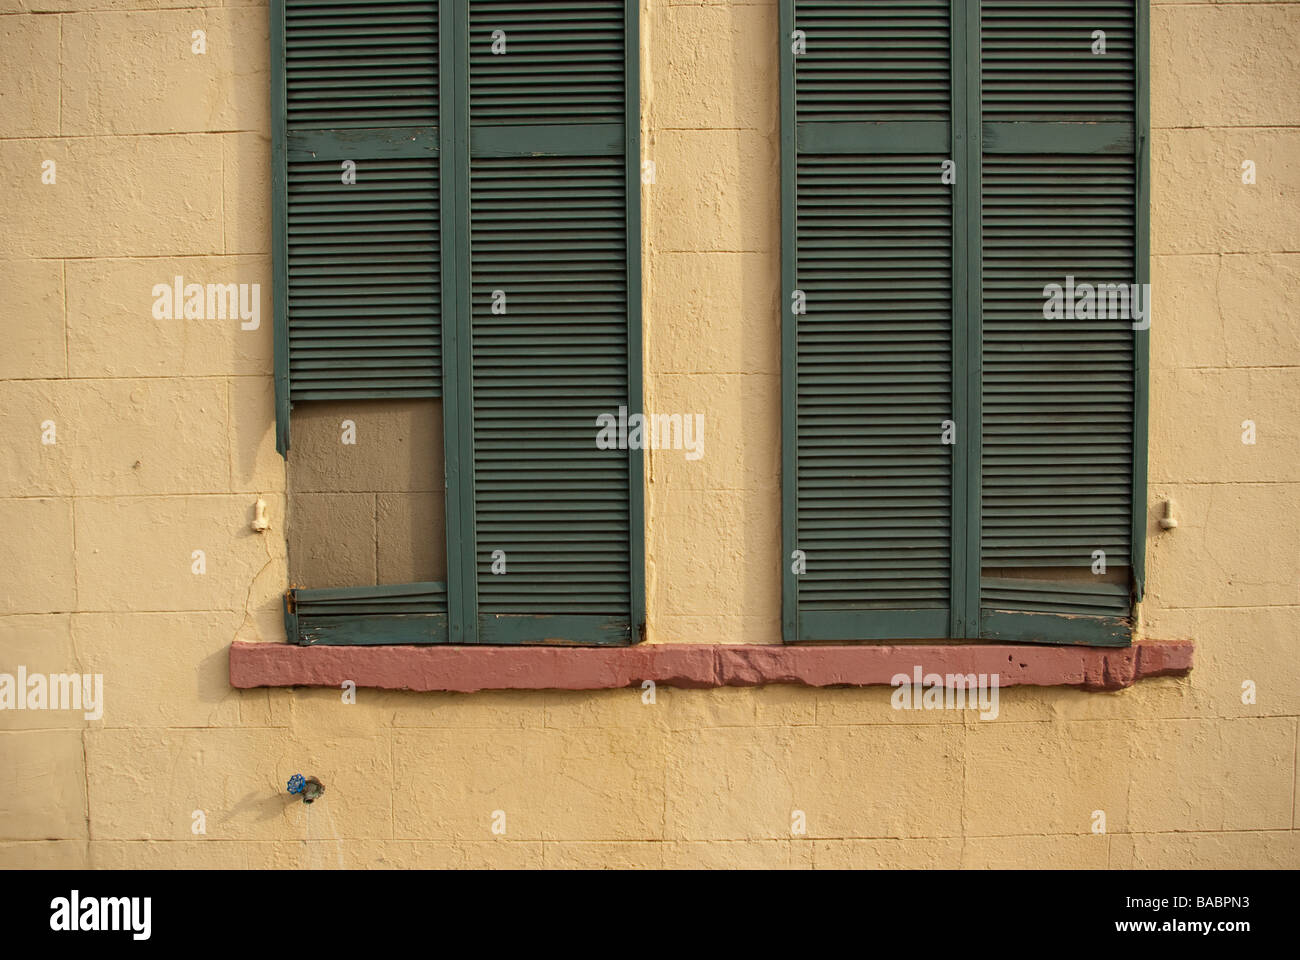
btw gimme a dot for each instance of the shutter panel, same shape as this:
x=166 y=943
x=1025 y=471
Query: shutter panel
x=552 y=233
x=1060 y=397
x=400 y=613
x=530 y=187
x=358 y=298
x=1048 y=474
x=869 y=368
x=362 y=260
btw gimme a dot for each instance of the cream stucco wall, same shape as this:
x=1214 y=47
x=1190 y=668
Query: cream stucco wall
x=165 y=440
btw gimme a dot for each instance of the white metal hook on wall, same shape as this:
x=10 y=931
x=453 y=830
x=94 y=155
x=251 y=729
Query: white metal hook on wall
x=1168 y=521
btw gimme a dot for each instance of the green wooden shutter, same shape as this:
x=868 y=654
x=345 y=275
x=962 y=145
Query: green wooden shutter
x=476 y=172
x=1061 y=477
x=553 y=340
x=869 y=367
x=1048 y=142
x=357 y=265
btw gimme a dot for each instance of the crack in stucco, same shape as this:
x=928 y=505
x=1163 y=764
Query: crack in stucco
x=248 y=597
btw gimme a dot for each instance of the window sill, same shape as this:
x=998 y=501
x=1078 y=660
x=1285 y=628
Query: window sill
x=468 y=669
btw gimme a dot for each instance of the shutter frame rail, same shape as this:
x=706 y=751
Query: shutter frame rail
x=348 y=616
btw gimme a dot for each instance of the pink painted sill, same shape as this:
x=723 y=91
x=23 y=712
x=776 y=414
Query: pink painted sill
x=467 y=669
